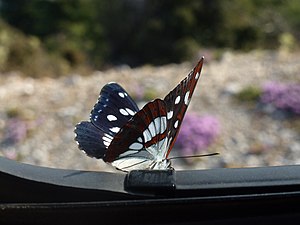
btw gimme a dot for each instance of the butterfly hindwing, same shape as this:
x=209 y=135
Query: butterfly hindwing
x=91 y=140
x=144 y=129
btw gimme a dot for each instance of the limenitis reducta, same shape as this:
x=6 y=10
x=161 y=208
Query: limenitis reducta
x=129 y=138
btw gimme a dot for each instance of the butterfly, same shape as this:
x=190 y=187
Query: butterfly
x=129 y=138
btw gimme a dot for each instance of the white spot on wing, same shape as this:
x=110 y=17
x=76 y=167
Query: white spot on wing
x=147 y=135
x=106 y=139
x=163 y=124
x=124 y=112
x=108 y=136
x=115 y=129
x=140 y=139
x=136 y=146
x=121 y=94
x=106 y=143
x=197 y=75
x=111 y=117
x=177 y=100
x=170 y=114
x=157 y=124
x=186 y=98
x=130 y=111
x=151 y=128
x=176 y=124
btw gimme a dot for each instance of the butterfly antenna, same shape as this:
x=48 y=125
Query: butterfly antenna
x=194 y=156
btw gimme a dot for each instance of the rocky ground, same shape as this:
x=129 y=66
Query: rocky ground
x=37 y=116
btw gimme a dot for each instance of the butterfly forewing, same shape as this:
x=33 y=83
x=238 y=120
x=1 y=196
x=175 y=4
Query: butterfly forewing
x=177 y=102
x=112 y=110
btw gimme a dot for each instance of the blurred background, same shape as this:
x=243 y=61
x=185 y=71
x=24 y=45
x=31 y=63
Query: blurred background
x=55 y=56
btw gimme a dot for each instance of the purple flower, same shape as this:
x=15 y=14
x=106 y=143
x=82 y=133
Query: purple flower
x=137 y=92
x=15 y=131
x=197 y=133
x=282 y=96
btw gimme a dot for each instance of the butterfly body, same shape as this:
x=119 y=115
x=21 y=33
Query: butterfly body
x=129 y=138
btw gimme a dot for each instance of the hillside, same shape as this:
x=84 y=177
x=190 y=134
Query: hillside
x=37 y=116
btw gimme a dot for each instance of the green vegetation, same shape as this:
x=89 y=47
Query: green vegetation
x=249 y=94
x=26 y=54
x=108 y=32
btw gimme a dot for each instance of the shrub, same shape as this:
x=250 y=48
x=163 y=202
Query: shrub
x=287 y=42
x=249 y=94
x=282 y=96
x=197 y=133
x=27 y=54
x=143 y=94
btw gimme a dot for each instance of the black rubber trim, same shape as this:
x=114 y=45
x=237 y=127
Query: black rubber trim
x=38 y=195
